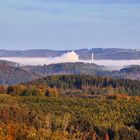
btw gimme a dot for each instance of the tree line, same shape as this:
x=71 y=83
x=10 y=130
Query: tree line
x=63 y=84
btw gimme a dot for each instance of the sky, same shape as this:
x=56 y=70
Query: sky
x=69 y=24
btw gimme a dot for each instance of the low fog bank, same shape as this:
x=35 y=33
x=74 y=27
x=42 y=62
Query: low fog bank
x=69 y=57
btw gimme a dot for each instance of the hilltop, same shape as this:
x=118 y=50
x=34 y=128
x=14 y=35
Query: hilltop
x=11 y=73
x=66 y=68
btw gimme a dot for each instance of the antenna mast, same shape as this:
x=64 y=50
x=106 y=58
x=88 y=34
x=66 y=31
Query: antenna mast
x=92 y=57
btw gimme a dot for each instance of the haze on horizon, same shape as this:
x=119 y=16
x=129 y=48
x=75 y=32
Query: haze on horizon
x=71 y=57
x=69 y=24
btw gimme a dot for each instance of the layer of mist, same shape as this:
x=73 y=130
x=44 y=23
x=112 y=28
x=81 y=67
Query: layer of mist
x=70 y=57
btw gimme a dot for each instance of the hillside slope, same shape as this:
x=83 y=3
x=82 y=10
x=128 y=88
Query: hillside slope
x=66 y=68
x=11 y=74
x=130 y=72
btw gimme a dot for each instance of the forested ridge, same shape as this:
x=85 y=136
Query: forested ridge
x=66 y=68
x=89 y=83
x=74 y=85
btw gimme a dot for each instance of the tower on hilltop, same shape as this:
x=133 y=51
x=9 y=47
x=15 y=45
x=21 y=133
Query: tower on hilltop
x=92 y=57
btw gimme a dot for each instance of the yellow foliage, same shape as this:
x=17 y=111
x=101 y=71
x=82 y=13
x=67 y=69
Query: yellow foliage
x=52 y=92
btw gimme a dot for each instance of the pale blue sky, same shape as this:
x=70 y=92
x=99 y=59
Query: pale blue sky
x=32 y=24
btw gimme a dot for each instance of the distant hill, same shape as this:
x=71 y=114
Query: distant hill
x=11 y=73
x=66 y=68
x=8 y=63
x=85 y=54
x=131 y=72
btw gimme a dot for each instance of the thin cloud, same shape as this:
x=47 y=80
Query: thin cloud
x=37 y=9
x=95 y=1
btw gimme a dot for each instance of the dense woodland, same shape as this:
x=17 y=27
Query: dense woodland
x=71 y=107
x=74 y=85
x=89 y=84
x=63 y=118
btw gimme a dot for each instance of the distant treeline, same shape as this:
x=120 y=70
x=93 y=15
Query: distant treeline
x=89 y=83
x=74 y=84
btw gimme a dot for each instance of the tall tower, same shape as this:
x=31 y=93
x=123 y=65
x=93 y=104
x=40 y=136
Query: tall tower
x=92 y=57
